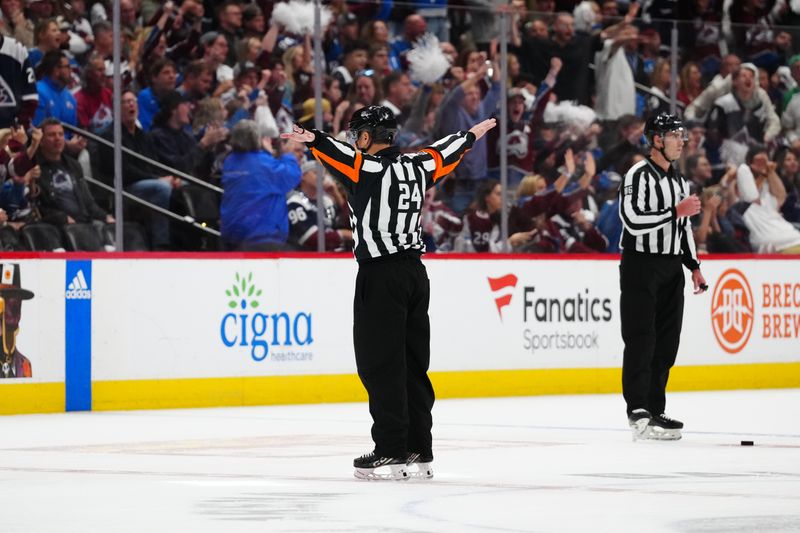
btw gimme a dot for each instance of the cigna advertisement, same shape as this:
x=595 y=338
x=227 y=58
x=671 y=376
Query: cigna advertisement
x=210 y=319
x=265 y=331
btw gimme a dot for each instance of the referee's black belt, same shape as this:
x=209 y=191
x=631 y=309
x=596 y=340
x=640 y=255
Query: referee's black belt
x=645 y=255
x=403 y=255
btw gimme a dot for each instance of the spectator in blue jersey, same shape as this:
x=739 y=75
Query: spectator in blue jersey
x=55 y=99
x=18 y=93
x=162 y=80
x=253 y=214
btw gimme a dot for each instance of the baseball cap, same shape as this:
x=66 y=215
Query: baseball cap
x=309 y=107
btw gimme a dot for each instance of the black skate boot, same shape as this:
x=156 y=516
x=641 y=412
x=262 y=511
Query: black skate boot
x=638 y=420
x=662 y=427
x=419 y=465
x=373 y=467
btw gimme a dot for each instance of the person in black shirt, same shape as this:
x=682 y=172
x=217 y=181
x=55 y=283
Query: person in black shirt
x=139 y=177
x=64 y=197
x=391 y=329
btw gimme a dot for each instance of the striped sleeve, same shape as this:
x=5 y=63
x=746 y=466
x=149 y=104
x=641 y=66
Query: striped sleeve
x=340 y=159
x=443 y=156
x=637 y=216
x=688 y=248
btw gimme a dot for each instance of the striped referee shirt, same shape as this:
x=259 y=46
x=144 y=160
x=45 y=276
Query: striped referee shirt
x=387 y=190
x=648 y=197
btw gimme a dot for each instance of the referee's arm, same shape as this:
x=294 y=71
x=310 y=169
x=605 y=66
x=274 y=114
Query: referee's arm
x=340 y=159
x=637 y=216
x=688 y=249
x=445 y=155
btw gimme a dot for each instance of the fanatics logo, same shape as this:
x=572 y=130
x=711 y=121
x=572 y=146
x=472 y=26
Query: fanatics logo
x=501 y=284
x=732 y=311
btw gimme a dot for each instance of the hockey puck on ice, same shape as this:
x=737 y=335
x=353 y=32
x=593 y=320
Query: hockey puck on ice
x=747 y=443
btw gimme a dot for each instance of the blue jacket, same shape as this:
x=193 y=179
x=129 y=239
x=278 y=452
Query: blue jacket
x=253 y=209
x=148 y=107
x=55 y=101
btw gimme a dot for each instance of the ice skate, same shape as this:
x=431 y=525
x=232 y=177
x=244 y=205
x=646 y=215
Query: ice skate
x=639 y=420
x=662 y=427
x=419 y=466
x=373 y=467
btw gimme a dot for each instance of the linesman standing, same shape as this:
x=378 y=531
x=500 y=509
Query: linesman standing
x=391 y=329
x=657 y=239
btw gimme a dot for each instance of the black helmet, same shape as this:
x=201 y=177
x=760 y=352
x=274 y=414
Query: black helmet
x=661 y=124
x=378 y=120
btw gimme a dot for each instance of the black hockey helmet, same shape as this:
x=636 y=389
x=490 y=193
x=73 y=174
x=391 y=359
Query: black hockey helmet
x=379 y=121
x=662 y=124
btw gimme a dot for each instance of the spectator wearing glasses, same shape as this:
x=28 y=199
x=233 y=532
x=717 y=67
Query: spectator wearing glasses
x=138 y=177
x=55 y=99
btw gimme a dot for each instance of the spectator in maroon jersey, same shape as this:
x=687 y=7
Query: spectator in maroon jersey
x=440 y=224
x=95 y=99
x=481 y=227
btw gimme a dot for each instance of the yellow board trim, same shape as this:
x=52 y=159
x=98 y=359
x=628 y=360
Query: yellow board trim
x=272 y=390
x=16 y=398
x=21 y=397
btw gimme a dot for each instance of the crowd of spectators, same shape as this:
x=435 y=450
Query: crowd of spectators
x=209 y=86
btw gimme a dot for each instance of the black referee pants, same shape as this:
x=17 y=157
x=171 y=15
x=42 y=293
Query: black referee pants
x=391 y=334
x=651 y=310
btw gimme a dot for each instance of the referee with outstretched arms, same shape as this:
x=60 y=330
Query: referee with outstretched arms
x=391 y=329
x=656 y=240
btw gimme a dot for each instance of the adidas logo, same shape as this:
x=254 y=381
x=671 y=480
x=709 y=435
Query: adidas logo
x=78 y=289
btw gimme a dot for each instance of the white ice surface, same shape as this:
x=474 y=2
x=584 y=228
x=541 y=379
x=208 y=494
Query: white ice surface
x=551 y=463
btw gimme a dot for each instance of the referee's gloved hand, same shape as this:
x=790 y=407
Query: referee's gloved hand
x=299 y=134
x=688 y=207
